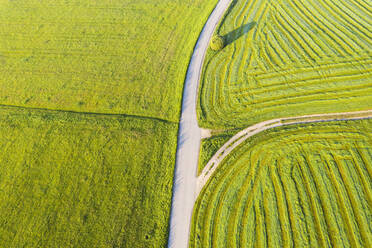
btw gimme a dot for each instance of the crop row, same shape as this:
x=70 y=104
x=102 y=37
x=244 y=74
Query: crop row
x=300 y=57
x=303 y=186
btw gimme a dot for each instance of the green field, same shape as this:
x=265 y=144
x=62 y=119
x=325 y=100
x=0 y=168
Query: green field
x=83 y=180
x=108 y=56
x=287 y=58
x=90 y=97
x=305 y=185
x=209 y=146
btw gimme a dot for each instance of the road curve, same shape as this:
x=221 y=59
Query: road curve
x=240 y=137
x=189 y=135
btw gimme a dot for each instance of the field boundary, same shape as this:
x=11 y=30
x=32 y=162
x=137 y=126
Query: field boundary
x=243 y=135
x=87 y=113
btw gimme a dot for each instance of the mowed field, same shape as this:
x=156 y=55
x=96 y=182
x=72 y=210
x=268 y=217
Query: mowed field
x=74 y=180
x=109 y=56
x=288 y=58
x=305 y=185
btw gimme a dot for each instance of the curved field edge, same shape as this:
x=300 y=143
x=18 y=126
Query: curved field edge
x=308 y=184
x=240 y=137
x=84 y=180
x=118 y=57
x=285 y=58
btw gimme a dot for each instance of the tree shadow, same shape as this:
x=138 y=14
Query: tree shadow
x=237 y=33
x=232 y=5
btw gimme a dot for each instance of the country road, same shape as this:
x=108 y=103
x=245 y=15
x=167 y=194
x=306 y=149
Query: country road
x=189 y=135
x=243 y=135
x=186 y=184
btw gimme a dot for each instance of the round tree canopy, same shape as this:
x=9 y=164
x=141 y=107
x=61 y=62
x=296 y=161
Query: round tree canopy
x=217 y=43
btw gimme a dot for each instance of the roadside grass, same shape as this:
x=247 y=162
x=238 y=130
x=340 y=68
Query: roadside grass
x=108 y=56
x=84 y=180
x=305 y=185
x=209 y=146
x=287 y=58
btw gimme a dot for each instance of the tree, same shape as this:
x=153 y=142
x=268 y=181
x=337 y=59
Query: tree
x=217 y=43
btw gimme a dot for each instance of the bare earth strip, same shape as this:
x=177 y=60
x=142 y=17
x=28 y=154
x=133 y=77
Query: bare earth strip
x=243 y=135
x=189 y=139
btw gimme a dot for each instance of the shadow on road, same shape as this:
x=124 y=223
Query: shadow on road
x=237 y=33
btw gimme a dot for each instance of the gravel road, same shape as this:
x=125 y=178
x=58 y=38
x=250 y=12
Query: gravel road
x=189 y=135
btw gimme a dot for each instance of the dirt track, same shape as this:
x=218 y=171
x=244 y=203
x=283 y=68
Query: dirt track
x=240 y=137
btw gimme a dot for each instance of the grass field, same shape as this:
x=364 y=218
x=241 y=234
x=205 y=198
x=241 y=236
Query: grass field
x=108 y=56
x=305 y=185
x=286 y=58
x=70 y=178
x=209 y=146
x=76 y=180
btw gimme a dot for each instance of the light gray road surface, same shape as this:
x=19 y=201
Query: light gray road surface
x=189 y=134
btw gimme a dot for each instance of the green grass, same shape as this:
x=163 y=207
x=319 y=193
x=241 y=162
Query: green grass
x=209 y=146
x=73 y=178
x=83 y=180
x=287 y=58
x=108 y=56
x=304 y=185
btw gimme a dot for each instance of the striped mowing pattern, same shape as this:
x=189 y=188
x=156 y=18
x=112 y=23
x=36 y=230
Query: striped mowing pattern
x=287 y=58
x=302 y=186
